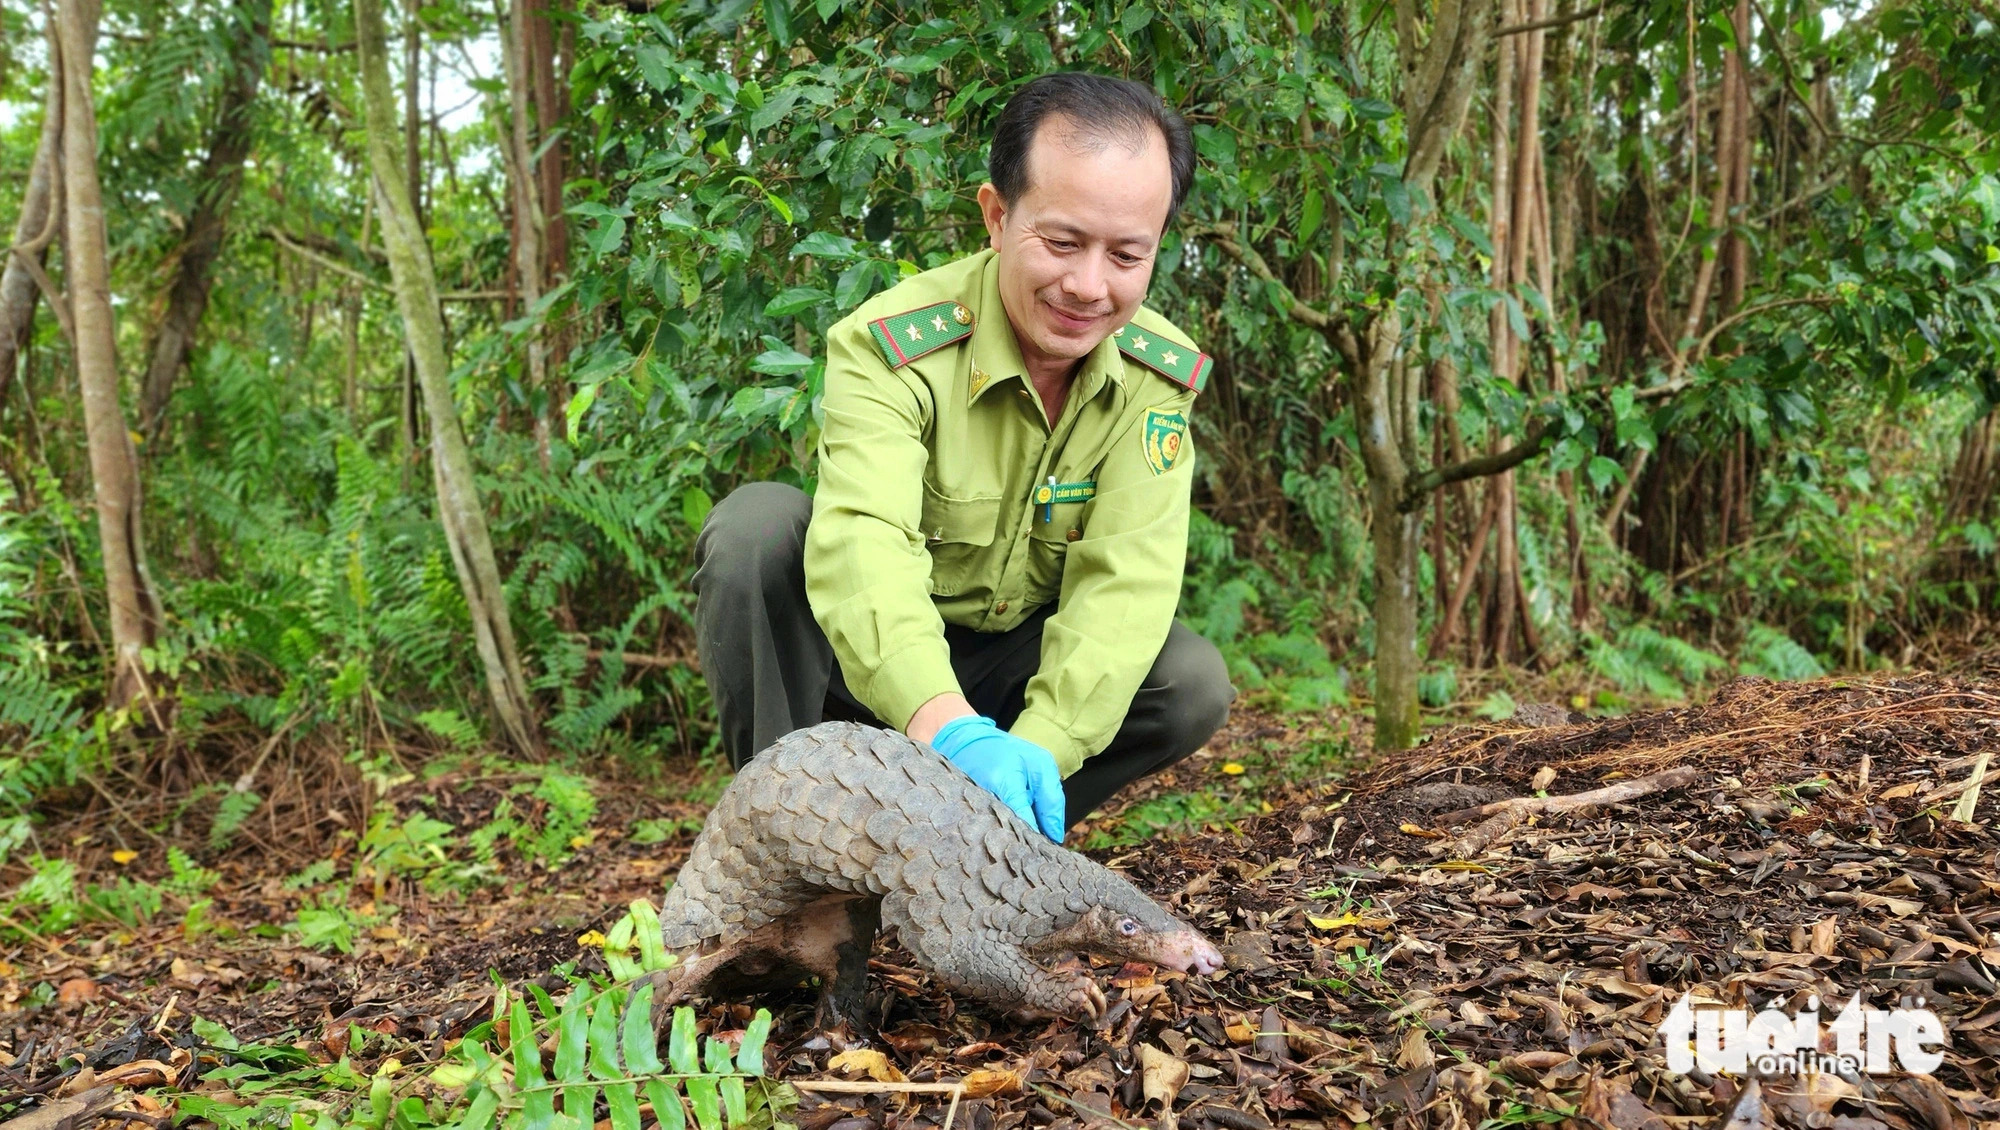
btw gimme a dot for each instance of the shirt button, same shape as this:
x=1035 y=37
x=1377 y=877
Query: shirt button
x=1072 y=535
x=1000 y=607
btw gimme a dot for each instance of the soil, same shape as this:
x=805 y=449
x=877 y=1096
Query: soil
x=1391 y=958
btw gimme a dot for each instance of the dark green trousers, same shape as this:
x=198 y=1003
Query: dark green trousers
x=771 y=670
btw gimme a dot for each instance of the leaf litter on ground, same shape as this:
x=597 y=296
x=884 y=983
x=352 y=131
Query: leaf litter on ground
x=1785 y=842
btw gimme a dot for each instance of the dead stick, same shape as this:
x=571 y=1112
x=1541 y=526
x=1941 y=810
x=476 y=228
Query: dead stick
x=1617 y=793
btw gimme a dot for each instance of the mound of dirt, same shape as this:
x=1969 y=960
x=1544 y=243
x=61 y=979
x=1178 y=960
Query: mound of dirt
x=1489 y=929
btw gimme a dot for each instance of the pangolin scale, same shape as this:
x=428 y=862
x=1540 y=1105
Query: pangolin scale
x=838 y=828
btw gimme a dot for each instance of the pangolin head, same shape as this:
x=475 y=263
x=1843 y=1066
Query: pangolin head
x=1123 y=922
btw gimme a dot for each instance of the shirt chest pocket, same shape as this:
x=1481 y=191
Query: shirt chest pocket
x=957 y=531
x=1048 y=545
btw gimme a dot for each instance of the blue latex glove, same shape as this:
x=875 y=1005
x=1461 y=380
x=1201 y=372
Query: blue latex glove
x=1022 y=774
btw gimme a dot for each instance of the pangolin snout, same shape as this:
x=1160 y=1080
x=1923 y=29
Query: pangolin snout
x=1191 y=953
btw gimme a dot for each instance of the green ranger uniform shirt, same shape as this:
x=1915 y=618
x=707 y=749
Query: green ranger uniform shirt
x=946 y=497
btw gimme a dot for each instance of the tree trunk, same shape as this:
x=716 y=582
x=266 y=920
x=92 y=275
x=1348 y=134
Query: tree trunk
x=1440 y=67
x=517 y=51
x=1385 y=418
x=34 y=230
x=221 y=174
x=416 y=288
x=114 y=464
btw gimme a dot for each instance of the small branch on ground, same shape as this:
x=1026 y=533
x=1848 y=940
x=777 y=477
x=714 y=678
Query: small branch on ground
x=1502 y=816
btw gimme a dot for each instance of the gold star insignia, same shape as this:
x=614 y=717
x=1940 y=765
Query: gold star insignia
x=1170 y=358
x=915 y=333
x=937 y=323
x=1139 y=343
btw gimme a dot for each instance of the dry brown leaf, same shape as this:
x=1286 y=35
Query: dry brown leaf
x=77 y=991
x=1926 y=1096
x=139 y=1073
x=1420 y=832
x=1161 y=1075
x=866 y=1061
x=1543 y=778
x=1825 y=932
x=1415 y=1051
x=1901 y=908
x=1240 y=1032
x=1133 y=975
x=991 y=1081
x=913 y=1038
x=1593 y=890
x=1899 y=792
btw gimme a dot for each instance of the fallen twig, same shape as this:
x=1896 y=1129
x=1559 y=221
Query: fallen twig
x=1502 y=816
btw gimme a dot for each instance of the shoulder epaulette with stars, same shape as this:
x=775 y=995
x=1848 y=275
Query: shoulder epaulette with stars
x=904 y=337
x=1178 y=363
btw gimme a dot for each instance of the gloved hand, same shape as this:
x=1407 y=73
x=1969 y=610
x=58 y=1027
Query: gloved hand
x=1022 y=774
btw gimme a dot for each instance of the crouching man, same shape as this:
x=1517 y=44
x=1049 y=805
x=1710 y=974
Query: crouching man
x=995 y=552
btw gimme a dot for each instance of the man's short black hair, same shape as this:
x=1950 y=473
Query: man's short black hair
x=1101 y=110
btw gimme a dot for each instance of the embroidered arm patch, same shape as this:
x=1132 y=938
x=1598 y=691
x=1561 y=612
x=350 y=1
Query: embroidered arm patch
x=1165 y=438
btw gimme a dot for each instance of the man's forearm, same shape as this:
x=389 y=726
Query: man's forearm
x=939 y=710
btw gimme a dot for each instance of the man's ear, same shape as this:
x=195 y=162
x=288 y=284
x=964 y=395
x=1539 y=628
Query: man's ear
x=993 y=208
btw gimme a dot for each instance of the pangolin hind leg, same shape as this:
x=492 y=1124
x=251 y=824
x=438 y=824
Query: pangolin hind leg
x=828 y=938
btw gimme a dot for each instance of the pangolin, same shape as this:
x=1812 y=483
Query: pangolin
x=839 y=828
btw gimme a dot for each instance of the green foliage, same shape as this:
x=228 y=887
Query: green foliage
x=605 y=1050
x=637 y=931
x=1641 y=659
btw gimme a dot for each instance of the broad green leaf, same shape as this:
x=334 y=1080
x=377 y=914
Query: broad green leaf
x=1310 y=215
x=701 y=1092
x=716 y=1057
x=213 y=1034
x=734 y=1102
x=750 y=1055
x=538 y=1107
x=641 y=1042
x=579 y=1103
x=573 y=1033
x=667 y=1106
x=780 y=362
x=618 y=946
x=826 y=245
x=1603 y=472
x=482 y=1111
x=579 y=403
x=646 y=920
x=603 y=1037
x=622 y=1099
x=681 y=1050
x=793 y=299
x=778 y=17
x=695 y=505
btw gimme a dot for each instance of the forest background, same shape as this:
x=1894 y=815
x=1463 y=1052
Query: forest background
x=1610 y=348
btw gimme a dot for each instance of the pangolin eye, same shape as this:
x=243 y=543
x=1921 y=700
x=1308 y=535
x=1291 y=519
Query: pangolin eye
x=1128 y=926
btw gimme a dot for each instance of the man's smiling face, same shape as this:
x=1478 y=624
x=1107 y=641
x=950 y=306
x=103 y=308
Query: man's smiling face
x=1077 y=248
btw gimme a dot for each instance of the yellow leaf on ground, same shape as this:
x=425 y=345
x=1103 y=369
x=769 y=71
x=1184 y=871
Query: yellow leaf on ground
x=123 y=856
x=1420 y=831
x=991 y=1081
x=593 y=939
x=1233 y=768
x=1349 y=919
x=866 y=1061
